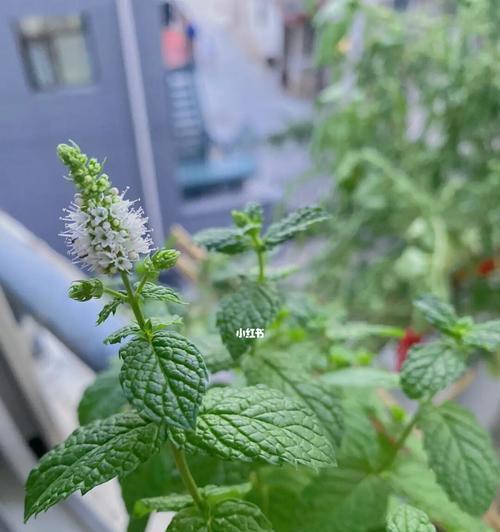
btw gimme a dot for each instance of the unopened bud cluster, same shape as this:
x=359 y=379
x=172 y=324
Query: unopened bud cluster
x=103 y=230
x=86 y=290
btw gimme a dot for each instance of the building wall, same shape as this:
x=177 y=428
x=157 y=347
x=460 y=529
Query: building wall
x=96 y=116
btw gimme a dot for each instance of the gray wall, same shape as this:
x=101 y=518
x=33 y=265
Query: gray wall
x=97 y=117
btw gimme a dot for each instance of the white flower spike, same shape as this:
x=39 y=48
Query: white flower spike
x=104 y=231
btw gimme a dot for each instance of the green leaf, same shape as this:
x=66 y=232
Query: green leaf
x=228 y=516
x=224 y=240
x=103 y=398
x=160 y=293
x=165 y=378
x=359 y=330
x=295 y=223
x=92 y=455
x=442 y=316
x=413 y=479
x=461 y=455
x=254 y=305
x=108 y=310
x=258 y=423
x=362 y=377
x=287 y=375
x=123 y=332
x=430 y=368
x=175 y=501
x=342 y=500
x=409 y=519
x=484 y=335
x=167 y=503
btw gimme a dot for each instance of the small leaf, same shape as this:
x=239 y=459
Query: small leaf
x=92 y=455
x=165 y=378
x=224 y=240
x=167 y=503
x=362 y=378
x=175 y=501
x=295 y=223
x=257 y=423
x=287 y=375
x=103 y=398
x=430 y=368
x=228 y=516
x=442 y=316
x=108 y=310
x=254 y=305
x=123 y=332
x=160 y=293
x=461 y=455
x=409 y=519
x=484 y=335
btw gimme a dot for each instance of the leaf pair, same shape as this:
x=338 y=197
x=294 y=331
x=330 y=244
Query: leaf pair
x=237 y=240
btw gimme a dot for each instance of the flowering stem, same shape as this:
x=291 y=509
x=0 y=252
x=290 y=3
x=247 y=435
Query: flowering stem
x=133 y=301
x=180 y=459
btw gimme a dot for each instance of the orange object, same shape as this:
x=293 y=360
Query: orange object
x=175 y=47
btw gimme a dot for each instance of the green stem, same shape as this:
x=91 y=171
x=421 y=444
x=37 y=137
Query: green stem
x=180 y=459
x=260 y=258
x=114 y=293
x=187 y=477
x=401 y=441
x=133 y=301
x=141 y=284
x=260 y=251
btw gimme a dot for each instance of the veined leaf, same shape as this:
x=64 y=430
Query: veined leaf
x=430 y=368
x=362 y=378
x=160 y=293
x=295 y=223
x=92 y=455
x=484 y=335
x=175 y=501
x=165 y=378
x=228 y=516
x=257 y=423
x=254 y=305
x=224 y=240
x=442 y=316
x=109 y=309
x=461 y=455
x=287 y=375
x=123 y=332
x=409 y=519
x=103 y=398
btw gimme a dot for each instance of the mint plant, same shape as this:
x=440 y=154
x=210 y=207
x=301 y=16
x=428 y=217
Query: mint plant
x=291 y=440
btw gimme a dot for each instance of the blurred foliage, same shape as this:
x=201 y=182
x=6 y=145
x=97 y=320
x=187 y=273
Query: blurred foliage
x=408 y=129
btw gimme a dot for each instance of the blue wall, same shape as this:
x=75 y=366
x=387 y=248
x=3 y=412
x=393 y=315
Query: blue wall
x=97 y=117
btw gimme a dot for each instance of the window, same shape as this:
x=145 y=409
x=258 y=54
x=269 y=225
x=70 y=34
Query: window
x=55 y=51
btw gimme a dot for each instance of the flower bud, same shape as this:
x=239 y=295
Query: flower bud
x=240 y=219
x=164 y=259
x=85 y=290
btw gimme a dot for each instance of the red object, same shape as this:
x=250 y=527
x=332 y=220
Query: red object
x=410 y=338
x=486 y=267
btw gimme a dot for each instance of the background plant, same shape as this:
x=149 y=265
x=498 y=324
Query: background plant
x=408 y=130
